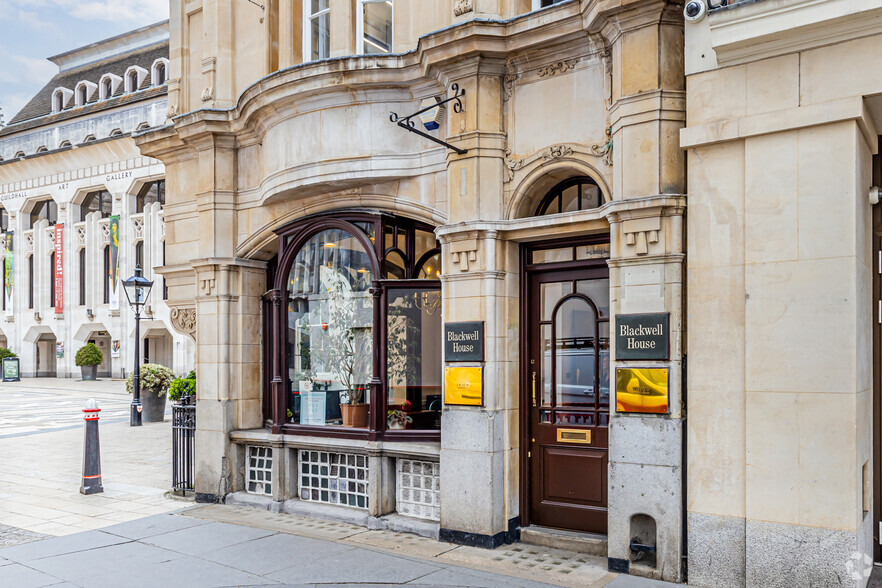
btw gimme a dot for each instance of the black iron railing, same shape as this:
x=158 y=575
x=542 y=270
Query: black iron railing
x=183 y=435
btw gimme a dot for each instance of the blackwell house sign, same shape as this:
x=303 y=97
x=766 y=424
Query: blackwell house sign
x=464 y=341
x=643 y=336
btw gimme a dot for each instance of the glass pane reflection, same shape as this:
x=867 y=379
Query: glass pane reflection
x=377 y=27
x=330 y=337
x=574 y=353
x=413 y=359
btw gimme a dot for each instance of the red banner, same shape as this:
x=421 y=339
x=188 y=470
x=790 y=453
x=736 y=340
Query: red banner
x=59 y=269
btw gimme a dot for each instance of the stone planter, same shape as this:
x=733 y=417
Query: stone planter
x=354 y=415
x=90 y=372
x=152 y=406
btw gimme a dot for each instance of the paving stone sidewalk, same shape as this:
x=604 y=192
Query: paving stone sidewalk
x=197 y=547
x=41 y=451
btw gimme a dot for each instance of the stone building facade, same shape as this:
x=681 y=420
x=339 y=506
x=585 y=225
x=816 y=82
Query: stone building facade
x=784 y=261
x=74 y=188
x=323 y=249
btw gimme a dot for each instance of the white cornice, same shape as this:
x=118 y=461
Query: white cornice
x=750 y=32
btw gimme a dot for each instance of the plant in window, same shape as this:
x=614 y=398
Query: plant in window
x=346 y=351
x=398 y=418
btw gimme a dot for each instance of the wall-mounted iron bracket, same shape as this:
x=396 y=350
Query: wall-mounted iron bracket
x=407 y=123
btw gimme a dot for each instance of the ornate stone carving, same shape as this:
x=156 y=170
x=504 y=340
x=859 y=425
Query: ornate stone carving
x=508 y=86
x=556 y=151
x=606 y=149
x=462 y=7
x=172 y=111
x=511 y=166
x=464 y=252
x=557 y=67
x=208 y=94
x=184 y=320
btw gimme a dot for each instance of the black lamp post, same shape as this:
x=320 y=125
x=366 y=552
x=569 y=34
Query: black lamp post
x=137 y=290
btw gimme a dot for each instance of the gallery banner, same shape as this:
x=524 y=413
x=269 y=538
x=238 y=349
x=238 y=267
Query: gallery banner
x=7 y=282
x=114 y=261
x=59 y=269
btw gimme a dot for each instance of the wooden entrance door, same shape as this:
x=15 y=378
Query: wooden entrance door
x=567 y=395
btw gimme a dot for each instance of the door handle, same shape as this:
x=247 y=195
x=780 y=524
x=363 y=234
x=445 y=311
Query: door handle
x=534 y=388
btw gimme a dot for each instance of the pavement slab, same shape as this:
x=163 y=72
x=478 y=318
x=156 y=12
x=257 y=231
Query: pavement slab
x=21 y=576
x=61 y=546
x=274 y=553
x=356 y=566
x=206 y=538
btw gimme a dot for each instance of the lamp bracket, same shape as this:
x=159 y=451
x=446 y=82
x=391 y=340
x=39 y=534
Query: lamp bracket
x=407 y=123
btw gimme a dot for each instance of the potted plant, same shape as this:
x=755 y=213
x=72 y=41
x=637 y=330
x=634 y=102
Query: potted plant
x=183 y=387
x=397 y=418
x=4 y=353
x=89 y=358
x=347 y=349
x=155 y=382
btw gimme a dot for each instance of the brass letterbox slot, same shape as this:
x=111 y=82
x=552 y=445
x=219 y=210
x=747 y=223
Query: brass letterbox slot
x=573 y=436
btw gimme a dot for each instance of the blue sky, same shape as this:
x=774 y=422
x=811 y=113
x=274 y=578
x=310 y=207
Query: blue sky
x=32 y=30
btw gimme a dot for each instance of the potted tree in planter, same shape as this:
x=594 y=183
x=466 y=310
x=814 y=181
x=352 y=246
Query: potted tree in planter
x=89 y=358
x=347 y=349
x=155 y=382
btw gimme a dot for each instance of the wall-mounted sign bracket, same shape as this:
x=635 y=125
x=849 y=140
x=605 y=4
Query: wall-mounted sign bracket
x=407 y=123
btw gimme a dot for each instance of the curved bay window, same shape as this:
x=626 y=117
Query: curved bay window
x=354 y=328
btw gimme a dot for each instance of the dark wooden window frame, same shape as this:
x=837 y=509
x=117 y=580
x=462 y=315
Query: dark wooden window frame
x=554 y=195
x=291 y=238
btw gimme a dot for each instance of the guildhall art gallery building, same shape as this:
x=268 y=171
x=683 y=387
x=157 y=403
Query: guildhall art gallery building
x=80 y=206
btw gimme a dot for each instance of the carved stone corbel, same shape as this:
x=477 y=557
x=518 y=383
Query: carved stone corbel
x=184 y=320
x=462 y=7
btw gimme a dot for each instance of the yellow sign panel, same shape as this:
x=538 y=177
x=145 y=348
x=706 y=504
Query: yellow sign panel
x=642 y=390
x=463 y=385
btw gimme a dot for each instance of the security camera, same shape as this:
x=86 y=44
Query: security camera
x=694 y=10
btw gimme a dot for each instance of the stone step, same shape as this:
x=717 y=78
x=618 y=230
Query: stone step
x=589 y=543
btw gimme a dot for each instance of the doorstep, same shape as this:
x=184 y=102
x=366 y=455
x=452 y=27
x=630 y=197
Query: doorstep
x=342 y=514
x=589 y=543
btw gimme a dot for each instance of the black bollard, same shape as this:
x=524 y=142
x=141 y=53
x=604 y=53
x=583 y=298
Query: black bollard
x=91 y=451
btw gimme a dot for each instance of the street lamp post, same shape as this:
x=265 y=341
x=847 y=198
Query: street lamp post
x=137 y=290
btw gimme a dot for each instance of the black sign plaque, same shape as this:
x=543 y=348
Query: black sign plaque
x=643 y=336
x=464 y=341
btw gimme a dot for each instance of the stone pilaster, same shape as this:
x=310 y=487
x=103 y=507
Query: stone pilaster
x=228 y=360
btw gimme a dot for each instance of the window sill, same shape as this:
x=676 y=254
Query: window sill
x=392 y=445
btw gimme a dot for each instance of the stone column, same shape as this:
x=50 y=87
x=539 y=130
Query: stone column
x=228 y=356
x=478 y=471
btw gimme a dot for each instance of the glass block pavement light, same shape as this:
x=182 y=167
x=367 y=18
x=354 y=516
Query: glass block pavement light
x=418 y=487
x=334 y=478
x=260 y=470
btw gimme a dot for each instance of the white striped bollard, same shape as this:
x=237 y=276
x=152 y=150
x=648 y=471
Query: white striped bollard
x=91 y=451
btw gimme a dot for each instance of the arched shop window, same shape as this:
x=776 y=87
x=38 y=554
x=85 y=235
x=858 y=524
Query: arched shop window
x=354 y=328
x=572 y=195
